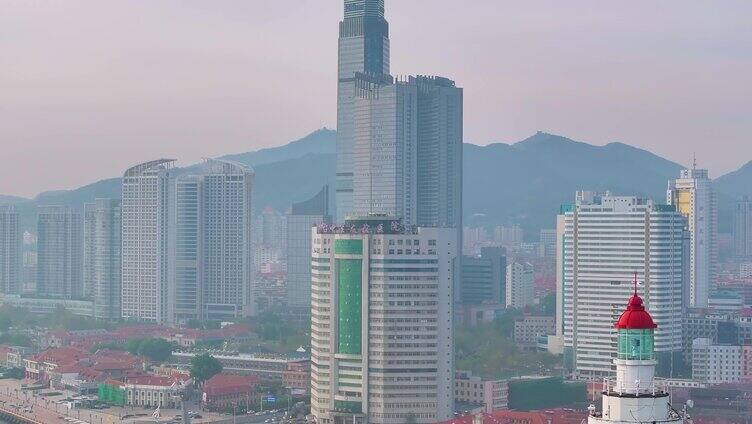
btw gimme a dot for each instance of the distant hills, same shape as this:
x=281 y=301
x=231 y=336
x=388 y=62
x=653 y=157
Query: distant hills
x=522 y=183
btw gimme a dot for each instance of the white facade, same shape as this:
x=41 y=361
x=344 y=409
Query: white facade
x=211 y=263
x=692 y=194
x=59 y=253
x=145 y=212
x=716 y=363
x=519 y=287
x=381 y=323
x=10 y=251
x=602 y=241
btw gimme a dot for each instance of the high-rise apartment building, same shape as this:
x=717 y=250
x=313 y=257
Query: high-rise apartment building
x=10 y=251
x=145 y=213
x=604 y=240
x=363 y=49
x=211 y=262
x=59 y=252
x=519 y=291
x=102 y=266
x=300 y=220
x=381 y=322
x=548 y=243
x=483 y=278
x=692 y=194
x=742 y=228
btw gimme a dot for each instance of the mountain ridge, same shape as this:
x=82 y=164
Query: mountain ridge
x=522 y=182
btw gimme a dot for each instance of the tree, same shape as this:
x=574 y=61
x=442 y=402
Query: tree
x=204 y=367
x=157 y=350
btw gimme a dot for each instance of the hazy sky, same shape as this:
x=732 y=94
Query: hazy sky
x=88 y=88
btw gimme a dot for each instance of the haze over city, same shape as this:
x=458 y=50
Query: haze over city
x=89 y=88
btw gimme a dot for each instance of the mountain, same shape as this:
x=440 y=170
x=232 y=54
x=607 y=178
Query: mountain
x=526 y=182
x=523 y=182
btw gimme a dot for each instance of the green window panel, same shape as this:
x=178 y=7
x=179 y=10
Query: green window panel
x=349 y=311
x=636 y=344
x=348 y=246
x=348 y=406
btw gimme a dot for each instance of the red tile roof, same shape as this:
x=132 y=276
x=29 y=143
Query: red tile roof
x=61 y=356
x=222 y=384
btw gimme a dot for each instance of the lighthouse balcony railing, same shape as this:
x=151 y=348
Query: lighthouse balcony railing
x=657 y=387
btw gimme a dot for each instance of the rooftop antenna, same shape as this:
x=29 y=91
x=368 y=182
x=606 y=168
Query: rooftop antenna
x=694 y=161
x=635 y=283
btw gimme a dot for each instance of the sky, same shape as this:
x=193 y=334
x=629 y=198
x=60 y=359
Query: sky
x=89 y=88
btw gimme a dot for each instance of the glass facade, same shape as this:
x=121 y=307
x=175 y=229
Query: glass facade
x=636 y=344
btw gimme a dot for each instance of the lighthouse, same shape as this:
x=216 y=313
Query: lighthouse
x=635 y=396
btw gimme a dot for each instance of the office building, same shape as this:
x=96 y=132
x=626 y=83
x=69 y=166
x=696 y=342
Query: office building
x=483 y=277
x=407 y=150
x=742 y=228
x=59 y=253
x=10 y=251
x=604 y=240
x=145 y=213
x=381 y=323
x=492 y=395
x=510 y=235
x=211 y=262
x=520 y=289
x=693 y=196
x=363 y=49
x=102 y=266
x=529 y=328
x=300 y=220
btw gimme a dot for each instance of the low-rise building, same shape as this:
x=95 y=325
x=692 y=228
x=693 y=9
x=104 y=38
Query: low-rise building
x=265 y=366
x=529 y=328
x=226 y=391
x=491 y=394
x=297 y=378
x=474 y=315
x=152 y=391
x=718 y=363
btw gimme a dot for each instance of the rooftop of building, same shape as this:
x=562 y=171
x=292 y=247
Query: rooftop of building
x=372 y=224
x=222 y=384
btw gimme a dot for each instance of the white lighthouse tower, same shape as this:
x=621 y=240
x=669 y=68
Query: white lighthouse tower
x=635 y=396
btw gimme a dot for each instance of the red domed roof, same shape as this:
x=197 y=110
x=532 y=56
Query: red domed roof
x=635 y=317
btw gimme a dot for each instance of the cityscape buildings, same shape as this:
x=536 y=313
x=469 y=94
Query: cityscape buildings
x=483 y=278
x=145 y=213
x=59 y=253
x=211 y=262
x=302 y=217
x=519 y=290
x=742 y=228
x=10 y=251
x=381 y=323
x=363 y=49
x=692 y=194
x=603 y=240
x=102 y=232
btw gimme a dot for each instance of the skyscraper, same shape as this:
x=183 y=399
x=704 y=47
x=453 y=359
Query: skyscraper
x=102 y=245
x=692 y=194
x=59 y=253
x=483 y=278
x=604 y=240
x=302 y=218
x=88 y=255
x=145 y=212
x=211 y=263
x=407 y=150
x=381 y=323
x=519 y=287
x=742 y=228
x=363 y=49
x=10 y=251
